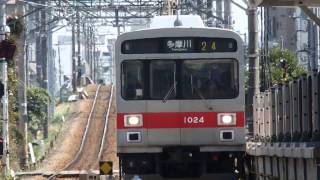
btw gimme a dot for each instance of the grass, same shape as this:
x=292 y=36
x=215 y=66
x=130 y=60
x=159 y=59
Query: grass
x=63 y=111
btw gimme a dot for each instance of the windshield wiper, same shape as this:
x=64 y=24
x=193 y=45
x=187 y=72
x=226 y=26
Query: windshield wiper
x=172 y=88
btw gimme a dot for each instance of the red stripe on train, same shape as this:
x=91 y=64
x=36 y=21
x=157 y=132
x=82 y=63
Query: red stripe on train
x=179 y=120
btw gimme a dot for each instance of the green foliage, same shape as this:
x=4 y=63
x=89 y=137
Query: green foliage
x=294 y=70
x=37 y=99
x=15 y=135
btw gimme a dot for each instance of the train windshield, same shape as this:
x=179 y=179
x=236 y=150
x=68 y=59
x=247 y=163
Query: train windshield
x=209 y=79
x=162 y=75
x=179 y=79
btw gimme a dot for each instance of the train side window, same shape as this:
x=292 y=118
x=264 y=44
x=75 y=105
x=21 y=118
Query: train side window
x=132 y=80
x=162 y=79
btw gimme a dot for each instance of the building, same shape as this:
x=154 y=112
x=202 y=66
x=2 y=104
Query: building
x=290 y=28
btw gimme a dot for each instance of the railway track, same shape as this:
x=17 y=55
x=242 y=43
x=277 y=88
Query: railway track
x=92 y=143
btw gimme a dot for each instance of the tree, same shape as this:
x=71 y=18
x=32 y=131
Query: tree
x=284 y=65
x=37 y=98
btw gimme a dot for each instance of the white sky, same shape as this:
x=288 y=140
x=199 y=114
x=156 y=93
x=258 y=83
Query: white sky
x=241 y=19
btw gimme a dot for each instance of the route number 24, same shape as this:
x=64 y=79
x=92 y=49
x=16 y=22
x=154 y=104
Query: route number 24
x=193 y=120
x=205 y=46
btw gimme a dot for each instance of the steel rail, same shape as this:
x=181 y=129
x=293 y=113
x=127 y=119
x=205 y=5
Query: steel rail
x=84 y=137
x=105 y=129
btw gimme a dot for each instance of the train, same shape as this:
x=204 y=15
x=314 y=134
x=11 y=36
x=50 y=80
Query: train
x=180 y=102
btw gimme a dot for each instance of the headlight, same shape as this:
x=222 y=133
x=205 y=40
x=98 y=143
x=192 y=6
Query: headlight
x=133 y=120
x=227 y=119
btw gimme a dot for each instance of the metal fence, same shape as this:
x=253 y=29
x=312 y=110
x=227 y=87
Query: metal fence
x=289 y=112
x=286 y=141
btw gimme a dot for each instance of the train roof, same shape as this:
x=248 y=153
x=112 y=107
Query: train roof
x=175 y=32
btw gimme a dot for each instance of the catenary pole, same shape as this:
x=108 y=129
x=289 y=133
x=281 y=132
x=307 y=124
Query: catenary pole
x=219 y=9
x=227 y=14
x=79 y=48
x=44 y=63
x=254 y=74
x=74 y=73
x=60 y=70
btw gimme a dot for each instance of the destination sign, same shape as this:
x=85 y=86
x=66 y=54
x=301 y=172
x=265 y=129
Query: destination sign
x=179 y=45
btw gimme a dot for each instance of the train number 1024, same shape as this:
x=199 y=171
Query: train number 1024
x=193 y=120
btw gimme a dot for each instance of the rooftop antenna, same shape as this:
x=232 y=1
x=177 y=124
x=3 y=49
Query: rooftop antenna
x=177 y=22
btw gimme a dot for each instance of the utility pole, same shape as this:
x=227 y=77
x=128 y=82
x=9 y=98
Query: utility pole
x=92 y=55
x=90 y=51
x=219 y=10
x=22 y=95
x=199 y=4
x=254 y=74
x=117 y=20
x=209 y=13
x=74 y=74
x=86 y=42
x=50 y=64
x=60 y=71
x=94 y=60
x=44 y=63
x=5 y=114
x=79 y=48
x=28 y=54
x=38 y=49
x=227 y=14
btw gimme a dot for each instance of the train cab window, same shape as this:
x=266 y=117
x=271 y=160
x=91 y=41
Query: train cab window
x=209 y=79
x=132 y=80
x=162 y=79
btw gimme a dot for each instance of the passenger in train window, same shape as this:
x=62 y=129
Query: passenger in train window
x=139 y=90
x=215 y=81
x=134 y=88
x=220 y=77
